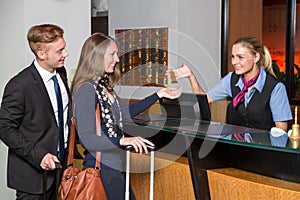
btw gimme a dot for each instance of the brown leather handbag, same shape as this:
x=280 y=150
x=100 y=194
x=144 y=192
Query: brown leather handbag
x=85 y=184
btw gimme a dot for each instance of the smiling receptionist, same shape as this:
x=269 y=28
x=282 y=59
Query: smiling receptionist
x=259 y=99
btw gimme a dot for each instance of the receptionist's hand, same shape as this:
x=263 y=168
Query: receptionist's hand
x=182 y=72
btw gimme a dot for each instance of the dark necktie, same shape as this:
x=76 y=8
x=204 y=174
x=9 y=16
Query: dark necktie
x=60 y=118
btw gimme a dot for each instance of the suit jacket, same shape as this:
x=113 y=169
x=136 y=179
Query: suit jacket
x=28 y=127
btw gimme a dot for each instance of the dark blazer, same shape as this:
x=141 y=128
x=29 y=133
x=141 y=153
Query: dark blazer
x=28 y=127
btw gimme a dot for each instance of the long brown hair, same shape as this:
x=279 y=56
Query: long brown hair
x=91 y=62
x=255 y=46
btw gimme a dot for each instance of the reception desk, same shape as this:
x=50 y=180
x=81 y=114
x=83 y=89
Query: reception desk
x=218 y=160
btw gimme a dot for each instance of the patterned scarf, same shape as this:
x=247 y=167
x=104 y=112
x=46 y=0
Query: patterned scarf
x=240 y=97
x=114 y=127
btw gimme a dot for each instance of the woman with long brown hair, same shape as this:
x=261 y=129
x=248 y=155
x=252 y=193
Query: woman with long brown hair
x=96 y=75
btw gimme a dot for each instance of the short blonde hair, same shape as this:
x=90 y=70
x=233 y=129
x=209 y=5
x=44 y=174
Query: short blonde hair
x=42 y=34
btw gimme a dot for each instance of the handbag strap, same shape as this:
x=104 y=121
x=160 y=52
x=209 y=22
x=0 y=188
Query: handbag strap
x=71 y=143
x=72 y=139
x=98 y=132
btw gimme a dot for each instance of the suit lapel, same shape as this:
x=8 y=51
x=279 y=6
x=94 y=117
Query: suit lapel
x=63 y=74
x=38 y=82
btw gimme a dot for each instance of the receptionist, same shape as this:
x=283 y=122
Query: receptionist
x=259 y=99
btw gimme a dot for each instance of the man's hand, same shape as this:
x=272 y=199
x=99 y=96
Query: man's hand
x=48 y=162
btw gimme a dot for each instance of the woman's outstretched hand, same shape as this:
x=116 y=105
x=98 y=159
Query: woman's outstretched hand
x=138 y=143
x=171 y=93
x=182 y=72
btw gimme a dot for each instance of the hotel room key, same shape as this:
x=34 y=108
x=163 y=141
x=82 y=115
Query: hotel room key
x=173 y=77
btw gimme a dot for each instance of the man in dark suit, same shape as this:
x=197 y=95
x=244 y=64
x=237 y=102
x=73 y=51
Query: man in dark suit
x=29 y=116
